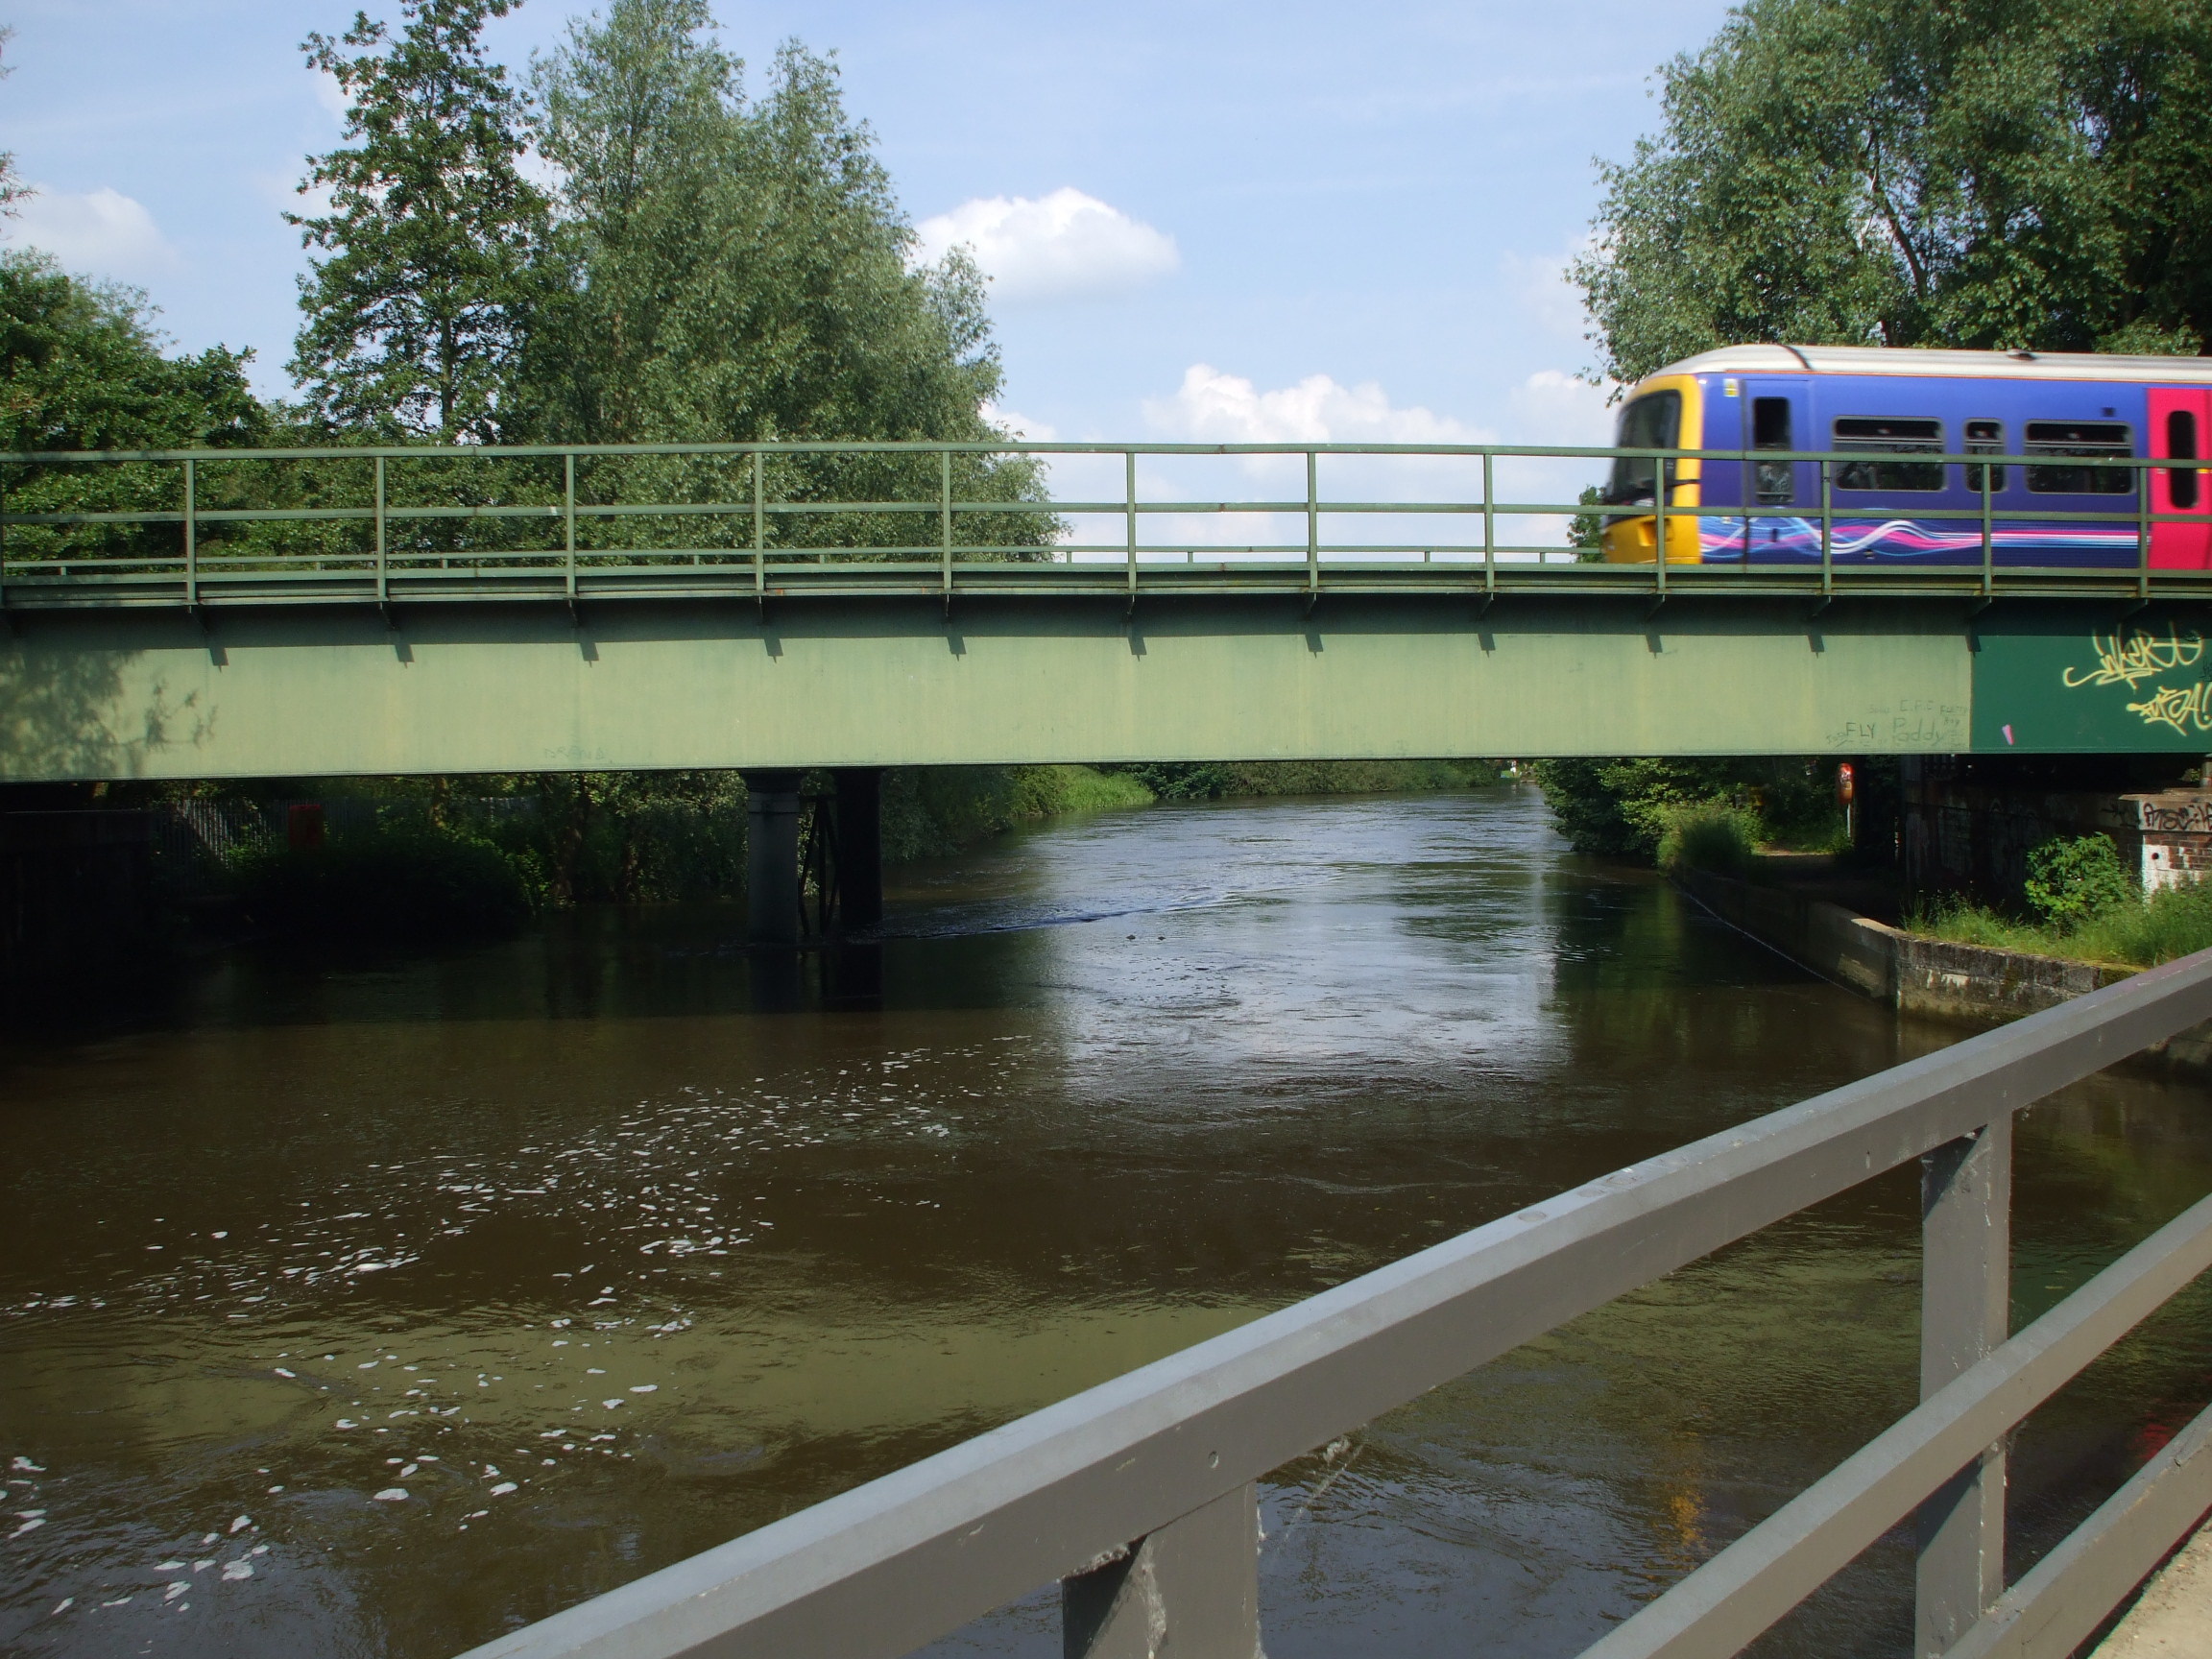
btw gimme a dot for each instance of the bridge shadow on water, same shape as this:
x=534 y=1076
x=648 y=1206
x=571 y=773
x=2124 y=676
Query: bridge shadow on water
x=677 y=1238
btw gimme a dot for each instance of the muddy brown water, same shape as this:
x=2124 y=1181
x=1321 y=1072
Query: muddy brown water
x=607 y=1244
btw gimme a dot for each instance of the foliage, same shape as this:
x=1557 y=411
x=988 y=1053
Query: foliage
x=1218 y=780
x=2071 y=878
x=1619 y=809
x=1978 y=173
x=2170 y=922
x=417 y=306
x=82 y=367
x=729 y=269
x=1586 y=530
x=1708 y=835
x=405 y=885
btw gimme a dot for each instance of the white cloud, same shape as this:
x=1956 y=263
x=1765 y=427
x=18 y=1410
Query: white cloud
x=1553 y=407
x=1540 y=283
x=330 y=95
x=101 y=231
x=1211 y=407
x=1016 y=425
x=1065 y=246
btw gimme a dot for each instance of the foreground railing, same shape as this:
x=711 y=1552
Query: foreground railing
x=1140 y=1495
x=385 y=525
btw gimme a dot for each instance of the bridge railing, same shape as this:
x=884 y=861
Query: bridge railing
x=382 y=524
x=1140 y=1495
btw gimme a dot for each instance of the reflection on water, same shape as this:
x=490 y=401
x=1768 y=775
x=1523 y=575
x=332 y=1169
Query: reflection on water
x=375 y=1307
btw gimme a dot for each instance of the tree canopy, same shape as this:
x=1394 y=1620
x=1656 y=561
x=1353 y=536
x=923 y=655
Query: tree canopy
x=2008 y=174
x=733 y=268
x=418 y=302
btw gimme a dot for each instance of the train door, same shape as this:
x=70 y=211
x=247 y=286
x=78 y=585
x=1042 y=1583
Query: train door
x=2181 y=427
x=1782 y=497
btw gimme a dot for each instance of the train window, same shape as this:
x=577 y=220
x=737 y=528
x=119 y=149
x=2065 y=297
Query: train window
x=1985 y=438
x=1889 y=434
x=2181 y=444
x=2085 y=439
x=1652 y=422
x=1775 y=484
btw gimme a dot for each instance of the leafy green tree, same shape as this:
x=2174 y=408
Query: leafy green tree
x=82 y=367
x=1981 y=172
x=737 y=268
x=419 y=299
x=732 y=269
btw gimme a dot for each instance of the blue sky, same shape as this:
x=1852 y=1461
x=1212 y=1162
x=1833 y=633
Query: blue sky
x=1212 y=220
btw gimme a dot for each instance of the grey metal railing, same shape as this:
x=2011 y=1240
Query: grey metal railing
x=1140 y=1495
x=396 y=524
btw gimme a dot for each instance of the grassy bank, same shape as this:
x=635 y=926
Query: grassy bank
x=2174 y=922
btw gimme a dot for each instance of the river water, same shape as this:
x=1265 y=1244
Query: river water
x=374 y=1308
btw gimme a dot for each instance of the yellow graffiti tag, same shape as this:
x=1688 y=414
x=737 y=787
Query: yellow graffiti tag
x=2130 y=659
x=2180 y=706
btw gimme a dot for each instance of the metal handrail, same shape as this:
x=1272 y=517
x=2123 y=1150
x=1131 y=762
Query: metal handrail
x=765 y=532
x=1139 y=1494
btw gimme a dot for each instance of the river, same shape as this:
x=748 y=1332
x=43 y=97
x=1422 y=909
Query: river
x=373 y=1307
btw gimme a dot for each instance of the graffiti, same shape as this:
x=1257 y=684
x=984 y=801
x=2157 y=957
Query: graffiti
x=2175 y=813
x=2130 y=659
x=2180 y=706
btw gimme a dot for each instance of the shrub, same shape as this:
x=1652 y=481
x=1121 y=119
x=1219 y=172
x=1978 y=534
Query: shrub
x=1708 y=835
x=2072 y=879
x=409 y=883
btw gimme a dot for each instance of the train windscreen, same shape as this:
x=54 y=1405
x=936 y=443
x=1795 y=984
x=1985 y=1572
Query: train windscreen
x=1652 y=422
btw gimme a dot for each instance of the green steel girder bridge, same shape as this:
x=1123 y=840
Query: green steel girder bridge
x=300 y=613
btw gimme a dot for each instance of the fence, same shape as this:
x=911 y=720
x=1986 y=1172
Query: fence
x=1140 y=1494
x=386 y=525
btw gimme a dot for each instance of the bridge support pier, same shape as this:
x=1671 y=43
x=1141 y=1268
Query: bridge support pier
x=859 y=846
x=773 y=914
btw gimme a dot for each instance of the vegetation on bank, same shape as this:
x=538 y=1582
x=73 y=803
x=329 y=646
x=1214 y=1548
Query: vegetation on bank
x=2084 y=904
x=1647 y=810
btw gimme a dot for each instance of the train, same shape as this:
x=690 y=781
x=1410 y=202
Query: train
x=2059 y=420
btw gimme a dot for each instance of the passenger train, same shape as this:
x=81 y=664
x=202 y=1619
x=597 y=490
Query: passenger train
x=1880 y=411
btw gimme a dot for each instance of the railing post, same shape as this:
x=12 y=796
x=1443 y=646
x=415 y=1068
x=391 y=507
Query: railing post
x=1659 y=505
x=2143 y=531
x=568 y=520
x=191 y=537
x=1489 y=527
x=760 y=537
x=1989 y=529
x=1827 y=530
x=1130 y=486
x=383 y=555
x=1312 y=525
x=1966 y=1310
x=945 y=513
x=1190 y=1589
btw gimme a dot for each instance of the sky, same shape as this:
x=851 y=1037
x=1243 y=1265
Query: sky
x=1203 y=221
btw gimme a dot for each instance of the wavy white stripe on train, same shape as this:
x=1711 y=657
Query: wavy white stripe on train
x=1884 y=409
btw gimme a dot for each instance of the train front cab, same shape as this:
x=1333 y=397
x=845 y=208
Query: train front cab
x=1880 y=506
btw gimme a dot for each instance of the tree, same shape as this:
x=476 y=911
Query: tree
x=418 y=310
x=736 y=270
x=726 y=269
x=82 y=367
x=1981 y=173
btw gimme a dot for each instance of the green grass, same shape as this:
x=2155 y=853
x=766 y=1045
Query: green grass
x=2174 y=922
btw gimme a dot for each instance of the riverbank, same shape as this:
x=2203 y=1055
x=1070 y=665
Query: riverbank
x=1910 y=971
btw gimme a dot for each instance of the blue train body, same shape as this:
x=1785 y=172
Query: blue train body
x=2053 y=419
